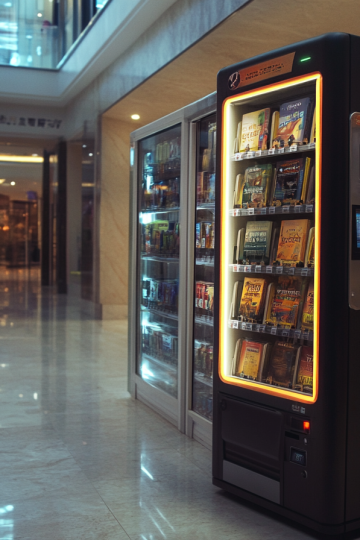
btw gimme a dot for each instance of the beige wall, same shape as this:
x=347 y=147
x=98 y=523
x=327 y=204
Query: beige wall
x=114 y=218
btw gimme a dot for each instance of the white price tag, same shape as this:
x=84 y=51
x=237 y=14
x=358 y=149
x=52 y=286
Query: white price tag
x=273 y=331
x=237 y=157
x=271 y=151
x=235 y=268
x=304 y=271
x=272 y=210
x=234 y=324
x=258 y=268
x=298 y=208
x=309 y=208
x=243 y=325
x=281 y=150
x=297 y=334
x=258 y=153
x=248 y=326
x=290 y=271
x=285 y=333
x=241 y=268
x=269 y=269
x=263 y=210
x=312 y=145
x=293 y=148
x=279 y=270
x=261 y=328
x=285 y=209
x=247 y=268
x=243 y=155
x=251 y=154
x=251 y=211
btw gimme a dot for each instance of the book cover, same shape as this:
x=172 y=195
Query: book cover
x=310 y=249
x=236 y=294
x=249 y=359
x=238 y=191
x=304 y=377
x=252 y=299
x=257 y=241
x=281 y=367
x=239 y=254
x=292 y=242
x=256 y=186
x=307 y=319
x=255 y=130
x=294 y=122
x=285 y=304
x=289 y=180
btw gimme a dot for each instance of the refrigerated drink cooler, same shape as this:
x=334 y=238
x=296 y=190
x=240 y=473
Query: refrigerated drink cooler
x=286 y=432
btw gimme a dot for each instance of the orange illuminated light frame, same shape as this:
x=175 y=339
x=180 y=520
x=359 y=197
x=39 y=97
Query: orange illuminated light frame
x=226 y=185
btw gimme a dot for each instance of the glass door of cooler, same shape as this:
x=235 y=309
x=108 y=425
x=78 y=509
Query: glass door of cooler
x=204 y=241
x=270 y=235
x=158 y=259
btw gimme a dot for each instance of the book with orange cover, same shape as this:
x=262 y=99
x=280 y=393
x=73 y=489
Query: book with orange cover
x=307 y=319
x=304 y=377
x=292 y=242
x=249 y=358
x=255 y=130
x=285 y=304
x=252 y=299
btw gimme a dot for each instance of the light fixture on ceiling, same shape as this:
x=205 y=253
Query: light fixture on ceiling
x=34 y=155
x=135 y=116
x=39 y=14
x=91 y=154
x=8 y=4
x=21 y=159
x=84 y=145
x=2 y=180
x=12 y=183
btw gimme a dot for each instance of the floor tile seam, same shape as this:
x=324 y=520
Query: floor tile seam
x=112 y=513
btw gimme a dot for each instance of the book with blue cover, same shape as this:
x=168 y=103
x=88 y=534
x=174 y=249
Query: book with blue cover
x=290 y=177
x=294 y=122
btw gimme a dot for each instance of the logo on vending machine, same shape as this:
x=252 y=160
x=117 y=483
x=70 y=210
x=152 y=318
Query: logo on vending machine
x=234 y=80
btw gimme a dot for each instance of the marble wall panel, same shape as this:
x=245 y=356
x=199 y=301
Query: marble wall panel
x=114 y=218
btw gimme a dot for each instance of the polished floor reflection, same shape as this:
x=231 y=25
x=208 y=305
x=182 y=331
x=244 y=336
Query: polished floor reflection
x=79 y=458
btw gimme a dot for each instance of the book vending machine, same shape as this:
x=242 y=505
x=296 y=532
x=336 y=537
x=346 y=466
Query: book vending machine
x=287 y=283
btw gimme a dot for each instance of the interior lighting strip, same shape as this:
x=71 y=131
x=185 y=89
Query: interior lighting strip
x=21 y=159
x=226 y=179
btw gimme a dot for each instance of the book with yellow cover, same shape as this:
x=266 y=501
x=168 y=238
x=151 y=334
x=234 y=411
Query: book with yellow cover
x=285 y=303
x=248 y=359
x=292 y=242
x=252 y=299
x=304 y=377
x=255 y=130
x=307 y=319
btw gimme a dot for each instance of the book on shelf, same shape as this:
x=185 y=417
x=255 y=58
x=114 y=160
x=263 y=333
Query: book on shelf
x=237 y=139
x=238 y=191
x=235 y=300
x=256 y=186
x=274 y=242
x=304 y=376
x=255 y=130
x=274 y=125
x=284 y=307
x=310 y=195
x=292 y=242
x=239 y=253
x=307 y=318
x=310 y=249
x=291 y=176
x=312 y=138
x=252 y=300
x=257 y=241
x=282 y=364
x=248 y=359
x=295 y=121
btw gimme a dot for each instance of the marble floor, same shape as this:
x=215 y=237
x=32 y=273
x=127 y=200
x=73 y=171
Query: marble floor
x=79 y=458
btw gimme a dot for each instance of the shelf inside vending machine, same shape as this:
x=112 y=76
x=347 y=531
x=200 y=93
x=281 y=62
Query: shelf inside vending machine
x=270 y=239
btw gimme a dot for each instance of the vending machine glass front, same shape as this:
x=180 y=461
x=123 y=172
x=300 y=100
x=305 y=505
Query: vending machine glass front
x=270 y=239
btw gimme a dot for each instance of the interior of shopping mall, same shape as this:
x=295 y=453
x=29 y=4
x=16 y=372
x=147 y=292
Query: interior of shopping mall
x=150 y=387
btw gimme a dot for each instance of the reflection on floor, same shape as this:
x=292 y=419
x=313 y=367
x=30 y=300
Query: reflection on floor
x=79 y=458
